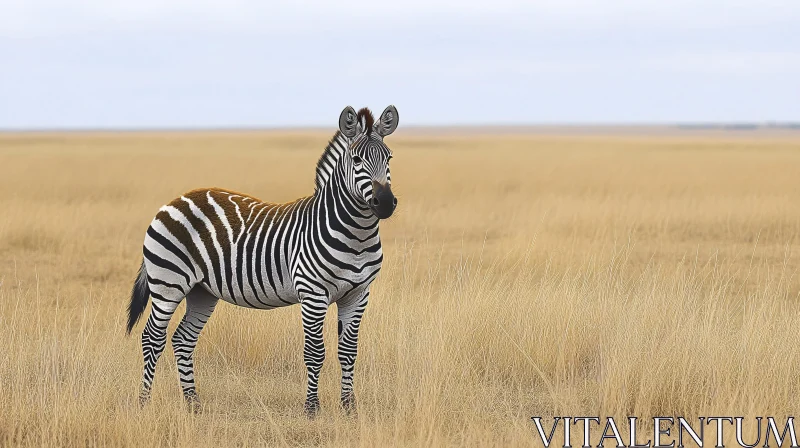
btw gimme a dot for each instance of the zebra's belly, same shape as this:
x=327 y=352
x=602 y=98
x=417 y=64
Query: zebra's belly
x=282 y=295
x=271 y=291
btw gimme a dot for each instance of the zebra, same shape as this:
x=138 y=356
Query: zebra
x=212 y=244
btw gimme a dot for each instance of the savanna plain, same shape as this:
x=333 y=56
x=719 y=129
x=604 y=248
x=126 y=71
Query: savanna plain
x=524 y=275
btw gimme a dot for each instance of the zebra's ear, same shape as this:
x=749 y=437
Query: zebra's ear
x=348 y=122
x=388 y=121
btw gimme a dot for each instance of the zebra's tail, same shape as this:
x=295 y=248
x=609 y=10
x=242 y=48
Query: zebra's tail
x=139 y=296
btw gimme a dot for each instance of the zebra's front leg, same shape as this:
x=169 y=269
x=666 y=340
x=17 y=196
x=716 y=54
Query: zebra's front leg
x=350 y=313
x=313 y=311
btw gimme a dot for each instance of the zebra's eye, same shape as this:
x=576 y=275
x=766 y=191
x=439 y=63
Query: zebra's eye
x=356 y=160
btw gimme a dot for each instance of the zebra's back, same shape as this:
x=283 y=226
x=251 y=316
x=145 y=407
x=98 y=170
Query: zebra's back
x=235 y=246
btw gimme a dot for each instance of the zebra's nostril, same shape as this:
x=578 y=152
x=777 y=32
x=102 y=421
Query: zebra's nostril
x=375 y=202
x=394 y=201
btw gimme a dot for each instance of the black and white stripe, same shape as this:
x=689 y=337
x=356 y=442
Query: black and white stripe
x=213 y=244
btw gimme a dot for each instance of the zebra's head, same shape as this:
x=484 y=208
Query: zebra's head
x=368 y=158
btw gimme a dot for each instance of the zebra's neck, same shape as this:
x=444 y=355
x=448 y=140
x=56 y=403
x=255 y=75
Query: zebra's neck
x=345 y=214
x=330 y=160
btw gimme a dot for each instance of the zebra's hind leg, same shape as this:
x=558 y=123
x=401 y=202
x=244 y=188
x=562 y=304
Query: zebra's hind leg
x=154 y=338
x=199 y=306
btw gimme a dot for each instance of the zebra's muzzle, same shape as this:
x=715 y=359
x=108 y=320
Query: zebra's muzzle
x=383 y=202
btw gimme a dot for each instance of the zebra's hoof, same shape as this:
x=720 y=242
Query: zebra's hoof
x=144 y=398
x=311 y=407
x=192 y=401
x=349 y=403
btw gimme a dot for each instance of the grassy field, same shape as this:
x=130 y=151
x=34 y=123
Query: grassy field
x=523 y=276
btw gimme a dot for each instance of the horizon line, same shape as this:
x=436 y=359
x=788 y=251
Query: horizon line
x=789 y=125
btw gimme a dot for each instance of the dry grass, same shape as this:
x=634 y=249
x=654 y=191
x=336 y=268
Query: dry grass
x=524 y=276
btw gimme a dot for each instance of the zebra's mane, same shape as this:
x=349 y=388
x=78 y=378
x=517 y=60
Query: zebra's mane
x=366 y=119
x=337 y=146
x=330 y=158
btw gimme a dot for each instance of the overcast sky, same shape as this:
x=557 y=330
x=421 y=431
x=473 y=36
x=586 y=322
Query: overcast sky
x=256 y=63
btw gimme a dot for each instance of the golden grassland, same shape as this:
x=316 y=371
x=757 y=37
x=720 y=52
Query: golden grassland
x=524 y=276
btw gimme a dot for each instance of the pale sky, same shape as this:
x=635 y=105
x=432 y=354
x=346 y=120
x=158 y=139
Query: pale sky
x=257 y=63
